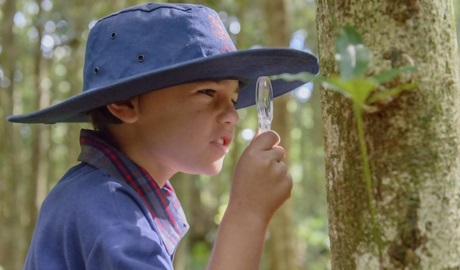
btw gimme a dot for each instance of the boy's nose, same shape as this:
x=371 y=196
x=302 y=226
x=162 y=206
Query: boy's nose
x=229 y=115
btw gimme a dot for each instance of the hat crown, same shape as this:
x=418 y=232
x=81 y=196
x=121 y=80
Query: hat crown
x=151 y=37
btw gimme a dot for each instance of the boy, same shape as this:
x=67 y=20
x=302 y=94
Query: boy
x=162 y=83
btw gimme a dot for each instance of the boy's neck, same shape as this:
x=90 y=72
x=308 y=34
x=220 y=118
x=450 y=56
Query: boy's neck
x=126 y=143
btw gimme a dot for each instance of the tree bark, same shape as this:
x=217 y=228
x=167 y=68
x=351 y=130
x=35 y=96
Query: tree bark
x=413 y=141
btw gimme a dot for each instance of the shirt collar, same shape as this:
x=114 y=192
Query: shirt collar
x=162 y=203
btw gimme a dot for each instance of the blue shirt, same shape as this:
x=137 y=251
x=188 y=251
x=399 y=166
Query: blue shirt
x=107 y=213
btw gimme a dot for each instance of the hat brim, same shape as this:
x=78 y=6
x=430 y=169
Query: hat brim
x=245 y=66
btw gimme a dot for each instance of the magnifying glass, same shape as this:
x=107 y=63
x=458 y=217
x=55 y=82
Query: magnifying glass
x=264 y=103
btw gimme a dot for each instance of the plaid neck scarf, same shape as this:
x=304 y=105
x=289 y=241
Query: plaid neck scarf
x=162 y=203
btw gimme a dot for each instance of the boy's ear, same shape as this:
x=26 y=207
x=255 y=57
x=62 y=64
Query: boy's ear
x=126 y=111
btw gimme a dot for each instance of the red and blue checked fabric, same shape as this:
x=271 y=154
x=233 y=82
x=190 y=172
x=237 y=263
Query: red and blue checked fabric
x=161 y=202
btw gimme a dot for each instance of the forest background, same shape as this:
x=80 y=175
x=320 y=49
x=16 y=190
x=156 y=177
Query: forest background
x=42 y=45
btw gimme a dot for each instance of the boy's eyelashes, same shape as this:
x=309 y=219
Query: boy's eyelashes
x=211 y=93
x=208 y=92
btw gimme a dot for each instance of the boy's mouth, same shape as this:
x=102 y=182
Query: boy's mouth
x=225 y=141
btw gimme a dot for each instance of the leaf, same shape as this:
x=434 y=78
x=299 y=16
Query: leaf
x=351 y=55
x=302 y=76
x=334 y=83
x=358 y=89
x=391 y=74
x=331 y=84
x=388 y=95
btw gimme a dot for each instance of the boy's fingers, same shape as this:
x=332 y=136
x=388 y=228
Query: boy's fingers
x=278 y=153
x=265 y=140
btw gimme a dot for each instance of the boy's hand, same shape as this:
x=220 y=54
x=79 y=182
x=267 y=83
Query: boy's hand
x=261 y=182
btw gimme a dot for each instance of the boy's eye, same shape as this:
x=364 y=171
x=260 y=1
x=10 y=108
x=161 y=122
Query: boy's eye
x=212 y=93
x=208 y=92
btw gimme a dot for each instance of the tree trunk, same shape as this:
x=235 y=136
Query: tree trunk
x=11 y=164
x=184 y=187
x=77 y=17
x=280 y=253
x=413 y=141
x=36 y=184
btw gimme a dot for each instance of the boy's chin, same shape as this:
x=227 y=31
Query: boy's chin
x=213 y=173
x=214 y=170
x=208 y=170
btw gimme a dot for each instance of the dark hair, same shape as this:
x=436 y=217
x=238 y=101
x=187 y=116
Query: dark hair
x=101 y=117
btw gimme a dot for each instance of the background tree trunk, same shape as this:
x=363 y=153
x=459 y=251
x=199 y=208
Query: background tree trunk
x=280 y=251
x=413 y=141
x=10 y=239
x=36 y=186
x=184 y=187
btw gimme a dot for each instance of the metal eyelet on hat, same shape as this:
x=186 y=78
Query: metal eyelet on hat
x=96 y=71
x=140 y=58
x=114 y=35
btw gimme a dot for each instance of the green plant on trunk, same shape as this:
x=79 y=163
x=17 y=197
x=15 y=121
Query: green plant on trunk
x=353 y=59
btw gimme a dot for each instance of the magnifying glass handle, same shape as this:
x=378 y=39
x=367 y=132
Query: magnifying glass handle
x=264 y=103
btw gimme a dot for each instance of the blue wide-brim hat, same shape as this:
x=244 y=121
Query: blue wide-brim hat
x=158 y=45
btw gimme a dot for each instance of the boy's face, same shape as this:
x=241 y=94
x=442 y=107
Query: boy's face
x=187 y=128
